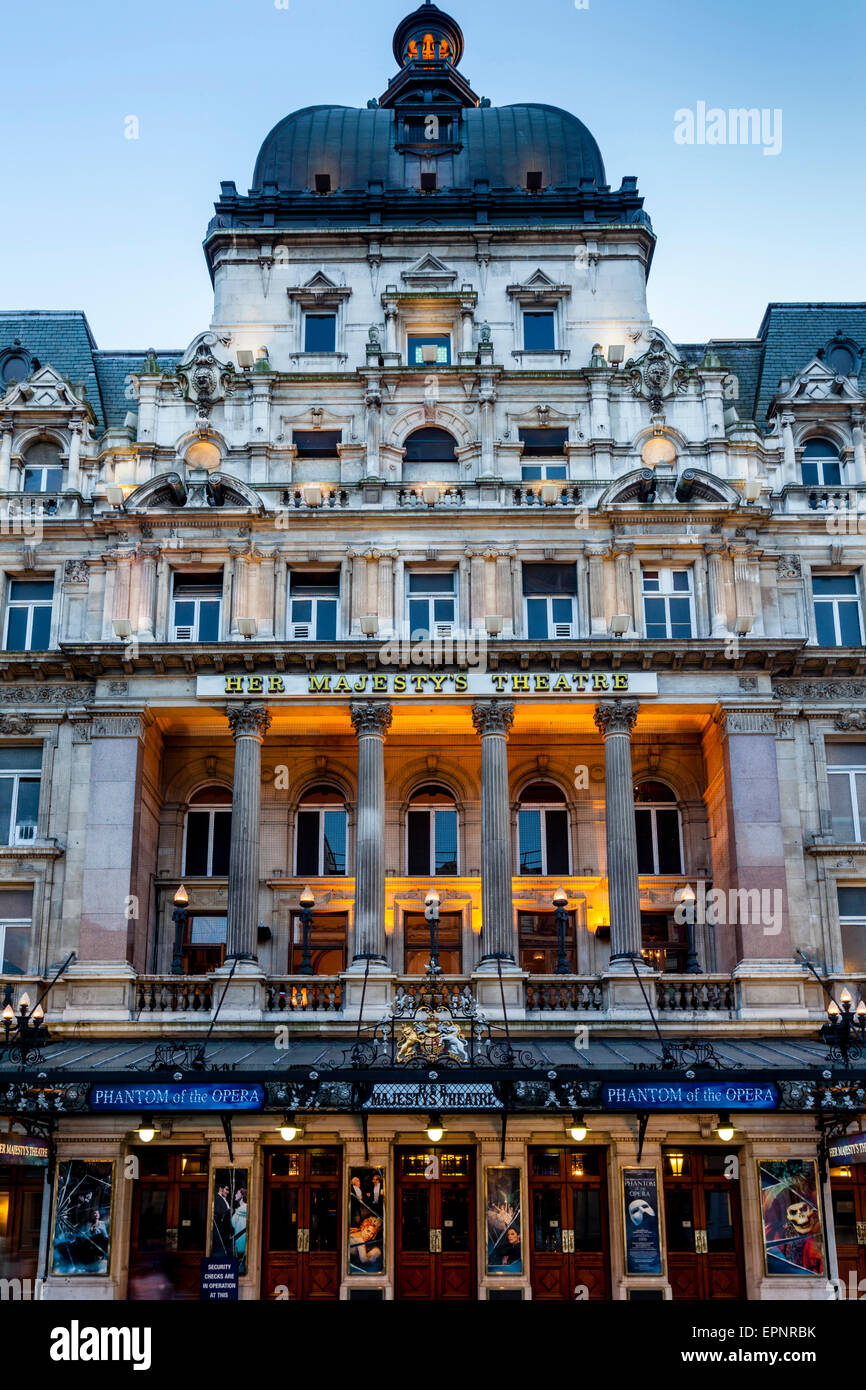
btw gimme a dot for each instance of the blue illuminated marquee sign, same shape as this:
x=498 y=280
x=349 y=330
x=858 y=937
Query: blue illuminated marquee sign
x=690 y=1095
x=183 y=1095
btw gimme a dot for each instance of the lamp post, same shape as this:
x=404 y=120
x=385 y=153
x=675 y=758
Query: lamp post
x=845 y=1029
x=180 y=918
x=560 y=898
x=687 y=897
x=307 y=902
x=431 y=913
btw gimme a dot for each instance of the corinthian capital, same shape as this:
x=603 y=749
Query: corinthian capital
x=371 y=717
x=493 y=717
x=248 y=719
x=616 y=716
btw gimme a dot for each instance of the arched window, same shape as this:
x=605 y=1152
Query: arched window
x=208 y=832
x=821 y=467
x=43 y=468
x=657 y=820
x=430 y=445
x=542 y=831
x=431 y=833
x=320 y=838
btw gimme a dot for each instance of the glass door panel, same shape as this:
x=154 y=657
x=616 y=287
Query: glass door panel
x=415 y=1221
x=547 y=1220
x=455 y=1219
x=680 y=1213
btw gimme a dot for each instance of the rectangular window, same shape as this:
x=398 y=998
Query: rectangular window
x=316 y=444
x=320 y=843
x=416 y=939
x=197 y=603
x=16 y=911
x=431 y=603
x=28 y=615
x=431 y=842
x=549 y=594
x=314 y=605
x=543 y=841
x=837 y=610
x=852 y=921
x=20 y=770
x=437 y=343
x=43 y=480
x=208 y=836
x=668 y=604
x=846 y=777
x=538 y=331
x=320 y=333
x=543 y=454
x=205 y=944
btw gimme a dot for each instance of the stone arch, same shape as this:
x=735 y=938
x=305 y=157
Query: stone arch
x=419 y=416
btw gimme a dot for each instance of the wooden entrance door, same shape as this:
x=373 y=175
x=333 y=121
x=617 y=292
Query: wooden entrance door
x=169 y=1223
x=569 y=1233
x=21 y=1188
x=301 y=1242
x=848 y=1188
x=703 y=1225
x=436 y=1224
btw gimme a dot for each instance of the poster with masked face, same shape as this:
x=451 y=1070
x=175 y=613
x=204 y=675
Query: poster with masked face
x=793 y=1231
x=643 y=1241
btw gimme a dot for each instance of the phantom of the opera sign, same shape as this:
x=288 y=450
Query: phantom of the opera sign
x=428 y=684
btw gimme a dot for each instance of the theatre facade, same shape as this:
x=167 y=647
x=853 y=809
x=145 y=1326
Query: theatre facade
x=432 y=731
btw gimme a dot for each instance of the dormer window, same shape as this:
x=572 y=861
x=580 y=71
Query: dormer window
x=323 y=183
x=821 y=464
x=43 y=468
x=533 y=180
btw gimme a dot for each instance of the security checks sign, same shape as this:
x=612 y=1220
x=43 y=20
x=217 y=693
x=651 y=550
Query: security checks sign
x=427 y=684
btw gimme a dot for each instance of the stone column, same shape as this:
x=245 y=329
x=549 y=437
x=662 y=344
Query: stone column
x=788 y=452
x=615 y=720
x=492 y=720
x=373 y=428
x=147 y=593
x=597 y=607
x=718 y=595
x=486 y=402
x=6 y=427
x=859 y=448
x=249 y=724
x=371 y=720
x=73 y=463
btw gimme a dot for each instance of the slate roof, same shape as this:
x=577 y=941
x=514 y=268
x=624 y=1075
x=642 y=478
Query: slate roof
x=793 y=333
x=113 y=370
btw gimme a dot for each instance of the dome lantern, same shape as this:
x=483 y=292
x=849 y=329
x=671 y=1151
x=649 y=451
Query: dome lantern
x=428 y=45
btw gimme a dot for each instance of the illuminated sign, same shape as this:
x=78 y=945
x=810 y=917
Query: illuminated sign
x=691 y=1095
x=427 y=684
x=192 y=1095
x=848 y=1148
x=18 y=1148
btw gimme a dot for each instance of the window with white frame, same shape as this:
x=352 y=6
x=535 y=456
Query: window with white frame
x=543 y=454
x=836 y=599
x=208 y=833
x=668 y=603
x=197 y=601
x=28 y=615
x=16 y=913
x=542 y=831
x=846 y=776
x=43 y=468
x=550 y=597
x=321 y=833
x=431 y=603
x=659 y=832
x=431 y=833
x=820 y=465
x=852 y=923
x=314 y=605
x=20 y=772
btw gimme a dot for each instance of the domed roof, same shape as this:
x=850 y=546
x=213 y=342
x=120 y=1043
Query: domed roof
x=499 y=144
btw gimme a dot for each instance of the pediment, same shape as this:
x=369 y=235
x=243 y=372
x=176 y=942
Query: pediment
x=817 y=382
x=539 y=285
x=429 y=271
x=320 y=286
x=44 y=389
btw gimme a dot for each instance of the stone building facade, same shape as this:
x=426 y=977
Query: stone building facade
x=434 y=569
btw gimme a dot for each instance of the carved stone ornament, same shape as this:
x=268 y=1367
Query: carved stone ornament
x=747 y=721
x=848 y=691
x=16 y=724
x=789 y=567
x=616 y=717
x=493 y=717
x=371 y=717
x=75 y=572
x=117 y=726
x=47 y=694
x=206 y=379
x=248 y=720
x=657 y=374
x=850 y=719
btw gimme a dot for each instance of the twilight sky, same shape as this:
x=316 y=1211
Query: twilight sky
x=113 y=226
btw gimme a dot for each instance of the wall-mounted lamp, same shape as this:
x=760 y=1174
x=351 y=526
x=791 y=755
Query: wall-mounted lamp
x=577 y=1127
x=493 y=623
x=247 y=627
x=114 y=494
x=724 y=1128
x=245 y=359
x=147 y=1130
x=752 y=489
x=122 y=627
x=429 y=353
x=743 y=626
x=370 y=624
x=290 y=1129
x=619 y=624
x=435 y=1127
x=549 y=493
x=313 y=496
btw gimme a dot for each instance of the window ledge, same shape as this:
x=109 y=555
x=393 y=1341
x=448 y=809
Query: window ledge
x=324 y=357
x=536 y=354
x=36 y=849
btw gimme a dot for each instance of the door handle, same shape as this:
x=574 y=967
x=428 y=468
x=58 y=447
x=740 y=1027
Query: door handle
x=861 y=1232
x=567 y=1241
x=435 y=1241
x=303 y=1239
x=700 y=1242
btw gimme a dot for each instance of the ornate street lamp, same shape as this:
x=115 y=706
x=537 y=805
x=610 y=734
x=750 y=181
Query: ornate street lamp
x=687 y=898
x=845 y=1030
x=560 y=898
x=180 y=918
x=26 y=1025
x=307 y=902
x=431 y=913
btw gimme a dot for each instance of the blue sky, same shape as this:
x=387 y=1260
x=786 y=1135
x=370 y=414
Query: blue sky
x=113 y=226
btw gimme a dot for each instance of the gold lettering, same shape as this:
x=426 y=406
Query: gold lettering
x=380 y=683
x=342 y=685
x=461 y=683
x=620 y=682
x=399 y=684
x=580 y=681
x=418 y=681
x=234 y=685
x=438 y=681
x=255 y=685
x=599 y=681
x=320 y=683
x=519 y=682
x=561 y=683
x=361 y=683
x=542 y=682
x=275 y=685
x=499 y=680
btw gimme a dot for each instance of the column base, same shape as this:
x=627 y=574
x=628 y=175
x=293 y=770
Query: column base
x=378 y=993
x=772 y=989
x=489 y=995
x=245 y=996
x=625 y=965
x=625 y=998
x=95 y=990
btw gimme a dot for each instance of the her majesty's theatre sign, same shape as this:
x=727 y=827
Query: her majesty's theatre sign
x=427 y=684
